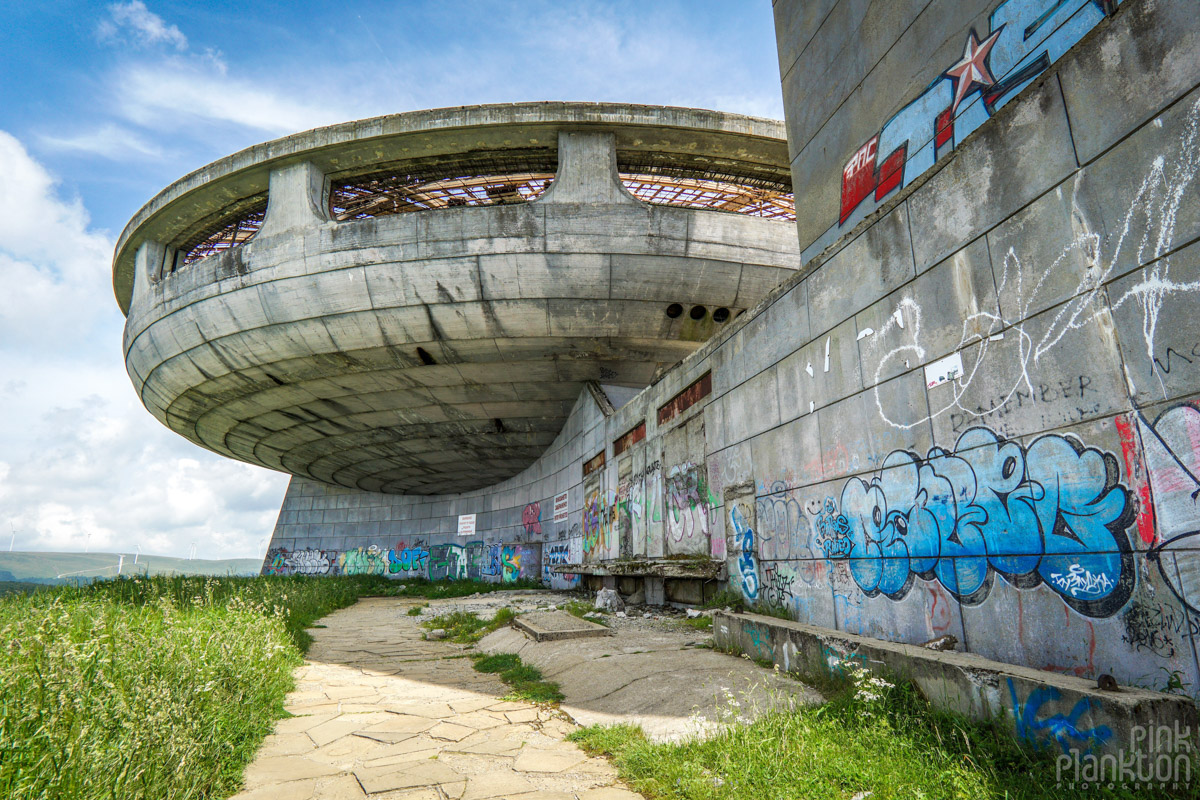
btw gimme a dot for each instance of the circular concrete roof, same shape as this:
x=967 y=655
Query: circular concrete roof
x=729 y=144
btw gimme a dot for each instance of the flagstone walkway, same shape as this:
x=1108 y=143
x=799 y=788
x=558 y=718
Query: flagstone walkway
x=380 y=713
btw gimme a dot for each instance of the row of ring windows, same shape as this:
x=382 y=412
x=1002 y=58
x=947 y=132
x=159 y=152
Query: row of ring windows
x=386 y=194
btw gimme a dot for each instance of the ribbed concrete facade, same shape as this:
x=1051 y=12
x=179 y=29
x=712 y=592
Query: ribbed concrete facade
x=440 y=350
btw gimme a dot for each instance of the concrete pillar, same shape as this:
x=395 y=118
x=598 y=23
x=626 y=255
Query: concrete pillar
x=655 y=591
x=148 y=265
x=587 y=171
x=295 y=199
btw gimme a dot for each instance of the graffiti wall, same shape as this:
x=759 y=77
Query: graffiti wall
x=977 y=416
x=1023 y=38
x=562 y=552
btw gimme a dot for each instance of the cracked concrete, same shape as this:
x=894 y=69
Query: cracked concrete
x=653 y=675
x=381 y=713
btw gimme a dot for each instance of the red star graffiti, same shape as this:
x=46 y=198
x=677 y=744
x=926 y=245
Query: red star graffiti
x=972 y=70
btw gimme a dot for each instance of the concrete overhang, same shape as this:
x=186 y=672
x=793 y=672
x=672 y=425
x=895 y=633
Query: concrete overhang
x=730 y=143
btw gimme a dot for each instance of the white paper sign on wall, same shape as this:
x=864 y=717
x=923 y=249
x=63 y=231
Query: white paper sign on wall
x=560 y=507
x=466 y=524
x=943 y=370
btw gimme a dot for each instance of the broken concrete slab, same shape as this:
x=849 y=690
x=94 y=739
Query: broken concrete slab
x=545 y=626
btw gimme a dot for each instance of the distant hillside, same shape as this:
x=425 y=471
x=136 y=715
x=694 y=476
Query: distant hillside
x=46 y=567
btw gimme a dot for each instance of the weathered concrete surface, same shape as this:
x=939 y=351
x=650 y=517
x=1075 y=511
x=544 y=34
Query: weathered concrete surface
x=1043 y=707
x=870 y=91
x=437 y=351
x=977 y=415
x=381 y=713
x=546 y=626
x=353 y=147
x=655 y=677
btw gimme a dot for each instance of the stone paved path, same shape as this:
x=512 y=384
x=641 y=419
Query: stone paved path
x=380 y=713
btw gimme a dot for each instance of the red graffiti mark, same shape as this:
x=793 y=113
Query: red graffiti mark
x=939 y=610
x=891 y=173
x=858 y=178
x=944 y=125
x=1133 y=458
x=531 y=517
x=1087 y=669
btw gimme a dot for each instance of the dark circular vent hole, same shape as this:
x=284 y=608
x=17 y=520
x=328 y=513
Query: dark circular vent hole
x=720 y=315
x=698 y=312
x=674 y=310
x=426 y=359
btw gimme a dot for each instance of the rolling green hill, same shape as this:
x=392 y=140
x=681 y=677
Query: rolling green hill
x=46 y=567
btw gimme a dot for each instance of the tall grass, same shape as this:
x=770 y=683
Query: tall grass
x=100 y=699
x=158 y=687
x=888 y=742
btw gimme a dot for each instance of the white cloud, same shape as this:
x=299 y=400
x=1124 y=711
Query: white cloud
x=108 y=140
x=174 y=94
x=53 y=268
x=83 y=464
x=133 y=22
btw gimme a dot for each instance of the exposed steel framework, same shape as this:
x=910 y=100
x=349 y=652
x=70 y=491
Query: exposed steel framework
x=228 y=233
x=394 y=192
x=380 y=195
x=712 y=194
x=390 y=193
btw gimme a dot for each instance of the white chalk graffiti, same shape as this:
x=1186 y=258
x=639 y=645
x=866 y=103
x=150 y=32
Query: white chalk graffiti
x=1152 y=211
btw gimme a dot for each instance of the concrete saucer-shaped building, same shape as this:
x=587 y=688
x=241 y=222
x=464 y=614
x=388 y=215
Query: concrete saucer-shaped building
x=412 y=304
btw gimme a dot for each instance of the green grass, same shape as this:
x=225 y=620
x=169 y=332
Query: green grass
x=443 y=590
x=526 y=682
x=147 y=688
x=581 y=608
x=415 y=611
x=894 y=747
x=463 y=627
x=161 y=687
x=700 y=623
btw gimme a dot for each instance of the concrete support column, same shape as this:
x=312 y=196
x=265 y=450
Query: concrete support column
x=148 y=265
x=587 y=171
x=656 y=594
x=296 y=199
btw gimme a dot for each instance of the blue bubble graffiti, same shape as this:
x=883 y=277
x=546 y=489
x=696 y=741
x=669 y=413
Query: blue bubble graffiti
x=1053 y=513
x=408 y=559
x=1062 y=728
x=744 y=538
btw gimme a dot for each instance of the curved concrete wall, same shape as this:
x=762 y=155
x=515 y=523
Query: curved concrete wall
x=307 y=349
x=977 y=414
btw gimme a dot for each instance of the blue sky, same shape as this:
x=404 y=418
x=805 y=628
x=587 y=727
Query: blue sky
x=104 y=104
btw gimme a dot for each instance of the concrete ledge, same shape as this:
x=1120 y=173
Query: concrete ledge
x=1044 y=708
x=698 y=568
x=548 y=626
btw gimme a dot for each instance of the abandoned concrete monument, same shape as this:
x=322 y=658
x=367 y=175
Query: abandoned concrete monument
x=921 y=362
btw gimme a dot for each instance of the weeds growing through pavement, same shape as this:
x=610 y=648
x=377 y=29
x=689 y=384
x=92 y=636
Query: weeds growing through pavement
x=582 y=609
x=463 y=627
x=526 y=682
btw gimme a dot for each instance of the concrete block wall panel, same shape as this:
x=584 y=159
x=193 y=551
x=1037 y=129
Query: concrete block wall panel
x=1006 y=444
x=873 y=98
